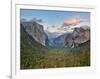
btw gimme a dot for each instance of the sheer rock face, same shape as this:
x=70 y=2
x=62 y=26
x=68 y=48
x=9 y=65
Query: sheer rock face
x=79 y=36
x=36 y=31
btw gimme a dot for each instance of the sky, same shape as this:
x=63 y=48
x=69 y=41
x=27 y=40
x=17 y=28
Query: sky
x=51 y=17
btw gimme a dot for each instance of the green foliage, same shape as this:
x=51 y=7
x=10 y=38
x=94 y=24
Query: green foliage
x=35 y=56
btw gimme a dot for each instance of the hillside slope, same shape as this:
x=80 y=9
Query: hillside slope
x=31 y=51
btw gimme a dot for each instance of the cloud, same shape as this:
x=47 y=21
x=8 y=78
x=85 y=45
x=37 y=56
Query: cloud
x=72 y=21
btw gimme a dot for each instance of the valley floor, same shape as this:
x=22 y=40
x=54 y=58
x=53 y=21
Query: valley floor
x=57 y=57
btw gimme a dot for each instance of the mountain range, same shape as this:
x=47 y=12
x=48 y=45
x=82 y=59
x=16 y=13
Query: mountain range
x=67 y=37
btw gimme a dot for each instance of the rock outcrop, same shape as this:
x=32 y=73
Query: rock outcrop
x=79 y=36
x=36 y=30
